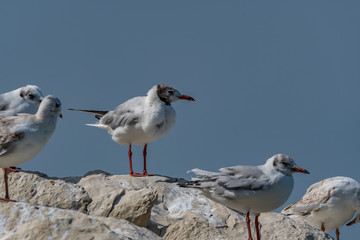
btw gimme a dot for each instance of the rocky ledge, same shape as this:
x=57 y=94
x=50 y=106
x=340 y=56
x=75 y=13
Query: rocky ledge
x=104 y=206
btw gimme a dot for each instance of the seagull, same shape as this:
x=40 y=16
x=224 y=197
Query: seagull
x=249 y=189
x=328 y=204
x=23 y=136
x=22 y=100
x=141 y=120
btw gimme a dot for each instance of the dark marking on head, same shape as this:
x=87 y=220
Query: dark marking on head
x=164 y=92
x=22 y=93
x=160 y=125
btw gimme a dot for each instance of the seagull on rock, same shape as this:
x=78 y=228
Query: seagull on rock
x=249 y=189
x=141 y=120
x=328 y=204
x=22 y=137
x=22 y=100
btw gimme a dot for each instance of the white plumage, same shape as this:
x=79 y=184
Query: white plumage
x=22 y=100
x=249 y=189
x=23 y=136
x=328 y=204
x=141 y=120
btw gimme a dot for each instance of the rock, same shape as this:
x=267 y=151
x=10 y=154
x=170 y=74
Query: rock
x=181 y=213
x=37 y=189
x=169 y=211
x=278 y=226
x=109 y=198
x=24 y=221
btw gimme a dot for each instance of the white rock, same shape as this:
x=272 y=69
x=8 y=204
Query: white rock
x=24 y=221
x=166 y=209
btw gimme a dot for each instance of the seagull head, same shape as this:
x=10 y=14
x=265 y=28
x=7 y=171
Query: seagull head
x=356 y=220
x=31 y=94
x=169 y=94
x=50 y=105
x=286 y=164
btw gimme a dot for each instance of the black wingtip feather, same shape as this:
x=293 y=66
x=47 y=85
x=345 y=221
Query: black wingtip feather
x=98 y=113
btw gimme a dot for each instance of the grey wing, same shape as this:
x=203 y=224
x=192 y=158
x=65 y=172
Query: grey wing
x=125 y=114
x=230 y=180
x=243 y=178
x=204 y=180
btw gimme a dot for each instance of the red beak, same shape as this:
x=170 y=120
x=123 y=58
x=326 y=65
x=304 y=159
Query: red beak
x=185 y=97
x=299 y=169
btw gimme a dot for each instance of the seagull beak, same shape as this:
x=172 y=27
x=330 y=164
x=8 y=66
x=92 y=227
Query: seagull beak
x=60 y=115
x=299 y=169
x=351 y=223
x=185 y=97
x=356 y=219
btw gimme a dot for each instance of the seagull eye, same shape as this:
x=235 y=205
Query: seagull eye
x=171 y=92
x=285 y=164
x=31 y=96
x=57 y=105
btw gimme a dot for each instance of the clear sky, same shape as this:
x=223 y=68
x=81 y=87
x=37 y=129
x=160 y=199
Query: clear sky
x=268 y=77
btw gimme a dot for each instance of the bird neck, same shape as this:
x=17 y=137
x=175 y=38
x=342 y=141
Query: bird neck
x=152 y=97
x=44 y=113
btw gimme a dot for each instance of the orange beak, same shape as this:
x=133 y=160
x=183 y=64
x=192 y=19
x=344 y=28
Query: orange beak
x=299 y=169
x=185 y=97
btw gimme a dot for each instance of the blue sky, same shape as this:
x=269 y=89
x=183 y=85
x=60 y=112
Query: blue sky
x=268 y=77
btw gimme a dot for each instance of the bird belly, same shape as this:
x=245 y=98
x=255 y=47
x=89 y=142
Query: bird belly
x=138 y=135
x=23 y=152
x=331 y=217
x=264 y=200
x=257 y=202
x=131 y=135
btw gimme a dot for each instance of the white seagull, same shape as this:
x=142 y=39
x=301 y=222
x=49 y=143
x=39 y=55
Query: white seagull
x=328 y=204
x=22 y=100
x=23 y=136
x=141 y=120
x=249 y=189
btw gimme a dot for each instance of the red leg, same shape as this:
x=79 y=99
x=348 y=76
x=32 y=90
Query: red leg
x=144 y=154
x=13 y=169
x=130 y=162
x=7 y=198
x=248 y=225
x=257 y=227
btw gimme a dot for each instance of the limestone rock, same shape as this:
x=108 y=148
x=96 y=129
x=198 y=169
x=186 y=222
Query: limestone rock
x=109 y=198
x=169 y=211
x=38 y=189
x=181 y=213
x=24 y=221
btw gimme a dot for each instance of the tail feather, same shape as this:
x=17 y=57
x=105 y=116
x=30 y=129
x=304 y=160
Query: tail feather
x=98 y=114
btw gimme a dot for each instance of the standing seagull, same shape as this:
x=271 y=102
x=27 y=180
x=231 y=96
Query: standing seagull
x=23 y=136
x=141 y=120
x=328 y=204
x=22 y=100
x=249 y=189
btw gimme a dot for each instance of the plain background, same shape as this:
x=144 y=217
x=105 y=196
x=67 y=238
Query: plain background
x=268 y=77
